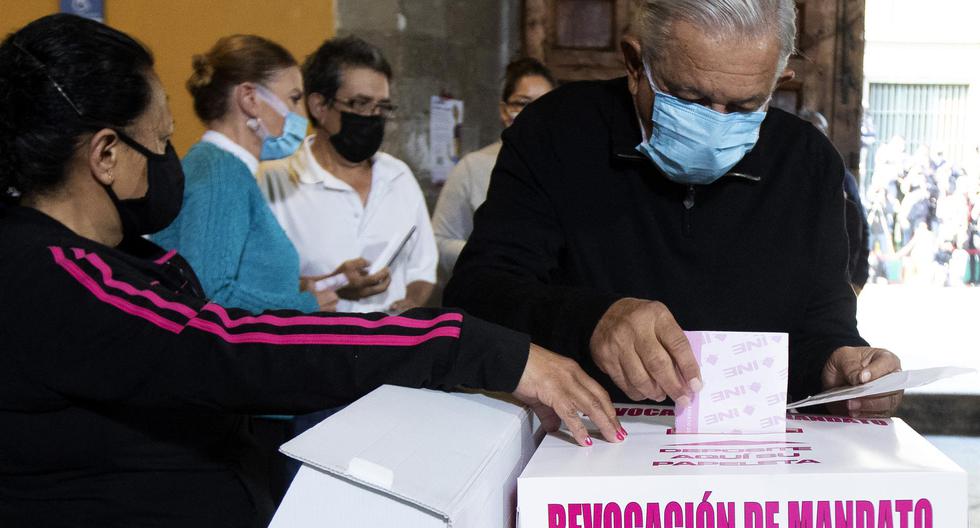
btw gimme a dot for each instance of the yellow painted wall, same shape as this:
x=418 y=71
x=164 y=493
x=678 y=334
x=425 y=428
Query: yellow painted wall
x=175 y=30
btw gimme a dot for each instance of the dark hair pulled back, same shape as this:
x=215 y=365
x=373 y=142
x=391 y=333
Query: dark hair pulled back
x=62 y=77
x=521 y=68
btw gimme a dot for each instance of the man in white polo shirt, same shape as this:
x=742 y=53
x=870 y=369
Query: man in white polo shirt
x=337 y=197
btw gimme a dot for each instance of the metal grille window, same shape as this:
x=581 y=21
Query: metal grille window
x=923 y=114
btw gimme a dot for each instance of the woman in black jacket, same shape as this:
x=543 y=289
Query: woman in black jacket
x=122 y=388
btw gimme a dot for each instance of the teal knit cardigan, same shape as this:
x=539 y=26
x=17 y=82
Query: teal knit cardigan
x=230 y=237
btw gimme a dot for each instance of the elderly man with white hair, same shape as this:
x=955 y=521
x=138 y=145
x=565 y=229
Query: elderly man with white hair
x=621 y=211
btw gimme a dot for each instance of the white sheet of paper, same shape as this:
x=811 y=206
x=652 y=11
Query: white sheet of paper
x=744 y=376
x=333 y=283
x=391 y=251
x=896 y=381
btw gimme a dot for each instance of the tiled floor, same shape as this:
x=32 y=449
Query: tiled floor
x=965 y=451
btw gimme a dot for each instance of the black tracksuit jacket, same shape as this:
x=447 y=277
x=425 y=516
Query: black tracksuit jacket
x=123 y=390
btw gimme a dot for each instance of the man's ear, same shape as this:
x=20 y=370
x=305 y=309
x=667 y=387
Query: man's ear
x=633 y=60
x=786 y=76
x=103 y=155
x=316 y=106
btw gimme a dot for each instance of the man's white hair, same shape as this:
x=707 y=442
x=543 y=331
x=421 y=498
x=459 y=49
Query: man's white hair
x=653 y=20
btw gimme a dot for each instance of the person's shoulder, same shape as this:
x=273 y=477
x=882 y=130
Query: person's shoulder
x=388 y=165
x=398 y=173
x=576 y=97
x=584 y=91
x=785 y=133
x=33 y=244
x=490 y=151
x=208 y=163
x=561 y=114
x=482 y=159
x=784 y=126
x=205 y=152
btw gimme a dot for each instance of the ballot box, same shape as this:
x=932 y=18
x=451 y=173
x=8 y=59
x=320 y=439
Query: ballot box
x=411 y=458
x=822 y=472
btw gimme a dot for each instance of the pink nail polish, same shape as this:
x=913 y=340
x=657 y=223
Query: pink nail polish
x=623 y=430
x=588 y=440
x=620 y=437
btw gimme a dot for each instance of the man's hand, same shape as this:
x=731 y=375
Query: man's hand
x=557 y=389
x=359 y=283
x=640 y=346
x=850 y=366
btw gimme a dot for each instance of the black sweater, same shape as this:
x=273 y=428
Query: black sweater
x=119 y=382
x=576 y=218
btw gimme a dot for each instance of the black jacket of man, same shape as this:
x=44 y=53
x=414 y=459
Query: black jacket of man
x=577 y=218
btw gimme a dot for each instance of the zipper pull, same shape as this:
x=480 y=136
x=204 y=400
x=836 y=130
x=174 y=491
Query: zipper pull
x=689 y=198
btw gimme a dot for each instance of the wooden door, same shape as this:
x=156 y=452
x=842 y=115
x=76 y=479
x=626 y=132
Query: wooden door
x=577 y=39
x=829 y=66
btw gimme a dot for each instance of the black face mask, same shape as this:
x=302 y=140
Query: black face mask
x=359 y=137
x=164 y=194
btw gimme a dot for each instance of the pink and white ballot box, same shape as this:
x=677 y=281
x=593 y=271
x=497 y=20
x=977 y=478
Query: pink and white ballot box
x=823 y=472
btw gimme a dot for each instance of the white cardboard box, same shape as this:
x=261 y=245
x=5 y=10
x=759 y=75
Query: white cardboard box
x=824 y=472
x=412 y=458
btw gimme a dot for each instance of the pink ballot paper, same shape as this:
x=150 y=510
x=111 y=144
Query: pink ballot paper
x=744 y=376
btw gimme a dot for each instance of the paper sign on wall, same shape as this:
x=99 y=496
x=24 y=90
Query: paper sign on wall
x=445 y=126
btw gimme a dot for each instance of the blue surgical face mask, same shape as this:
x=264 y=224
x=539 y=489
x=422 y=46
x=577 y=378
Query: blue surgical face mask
x=693 y=144
x=293 y=128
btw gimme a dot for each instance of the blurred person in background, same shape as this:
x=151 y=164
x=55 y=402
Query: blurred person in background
x=338 y=198
x=465 y=190
x=248 y=92
x=858 y=229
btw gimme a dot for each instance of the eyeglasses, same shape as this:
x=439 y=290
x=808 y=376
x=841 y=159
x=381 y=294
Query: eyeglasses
x=369 y=107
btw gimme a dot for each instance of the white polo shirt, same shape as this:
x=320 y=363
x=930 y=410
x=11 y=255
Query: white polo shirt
x=327 y=222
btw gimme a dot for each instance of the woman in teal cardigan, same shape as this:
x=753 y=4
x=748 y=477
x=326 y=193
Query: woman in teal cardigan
x=249 y=93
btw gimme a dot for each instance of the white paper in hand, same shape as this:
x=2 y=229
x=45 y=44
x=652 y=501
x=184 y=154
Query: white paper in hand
x=391 y=250
x=334 y=283
x=744 y=376
x=896 y=381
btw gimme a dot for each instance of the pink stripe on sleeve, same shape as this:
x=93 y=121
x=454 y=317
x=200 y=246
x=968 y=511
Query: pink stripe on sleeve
x=313 y=320
x=324 y=339
x=126 y=306
x=166 y=256
x=272 y=320
x=246 y=337
x=160 y=302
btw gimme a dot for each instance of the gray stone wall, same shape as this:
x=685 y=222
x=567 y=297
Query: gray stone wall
x=460 y=47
